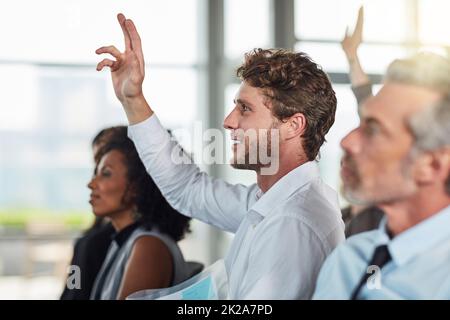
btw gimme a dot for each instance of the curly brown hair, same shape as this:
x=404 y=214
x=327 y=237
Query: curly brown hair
x=293 y=83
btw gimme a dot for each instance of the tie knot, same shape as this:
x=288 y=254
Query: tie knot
x=381 y=256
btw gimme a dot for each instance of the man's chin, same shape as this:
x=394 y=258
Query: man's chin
x=242 y=164
x=355 y=196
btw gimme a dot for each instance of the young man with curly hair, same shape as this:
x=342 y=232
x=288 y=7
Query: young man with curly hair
x=286 y=224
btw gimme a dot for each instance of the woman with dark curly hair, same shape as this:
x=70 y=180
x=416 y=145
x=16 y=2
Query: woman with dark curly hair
x=91 y=247
x=144 y=252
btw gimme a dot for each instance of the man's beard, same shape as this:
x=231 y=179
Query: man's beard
x=351 y=188
x=257 y=153
x=356 y=192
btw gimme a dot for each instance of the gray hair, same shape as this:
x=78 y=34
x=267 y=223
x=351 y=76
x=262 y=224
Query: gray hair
x=431 y=130
x=431 y=127
x=423 y=69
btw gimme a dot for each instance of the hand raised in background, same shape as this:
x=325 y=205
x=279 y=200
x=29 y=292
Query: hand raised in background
x=128 y=68
x=358 y=78
x=351 y=42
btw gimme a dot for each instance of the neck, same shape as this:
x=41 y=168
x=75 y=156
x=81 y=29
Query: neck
x=409 y=212
x=286 y=165
x=122 y=219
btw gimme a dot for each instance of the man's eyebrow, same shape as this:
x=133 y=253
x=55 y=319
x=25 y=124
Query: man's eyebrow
x=374 y=121
x=243 y=101
x=371 y=120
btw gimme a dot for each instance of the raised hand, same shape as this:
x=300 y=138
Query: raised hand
x=351 y=42
x=128 y=69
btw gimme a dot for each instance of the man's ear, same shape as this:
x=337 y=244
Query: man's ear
x=296 y=126
x=432 y=166
x=444 y=172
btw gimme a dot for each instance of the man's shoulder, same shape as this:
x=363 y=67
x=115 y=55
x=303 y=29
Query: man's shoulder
x=351 y=254
x=316 y=202
x=361 y=244
x=315 y=191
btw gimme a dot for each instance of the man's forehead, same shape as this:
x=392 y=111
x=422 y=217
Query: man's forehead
x=245 y=89
x=397 y=101
x=249 y=94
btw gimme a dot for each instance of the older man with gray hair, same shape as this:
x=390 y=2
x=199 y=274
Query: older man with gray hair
x=398 y=159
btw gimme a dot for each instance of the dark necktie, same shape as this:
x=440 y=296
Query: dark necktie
x=380 y=257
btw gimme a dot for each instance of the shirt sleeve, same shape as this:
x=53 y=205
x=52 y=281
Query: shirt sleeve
x=286 y=266
x=186 y=188
x=362 y=92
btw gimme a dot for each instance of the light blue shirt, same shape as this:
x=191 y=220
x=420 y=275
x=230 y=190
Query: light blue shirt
x=419 y=269
x=282 y=237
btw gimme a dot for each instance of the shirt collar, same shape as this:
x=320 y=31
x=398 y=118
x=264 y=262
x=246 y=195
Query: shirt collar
x=123 y=235
x=284 y=188
x=418 y=239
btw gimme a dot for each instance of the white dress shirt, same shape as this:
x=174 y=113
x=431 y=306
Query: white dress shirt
x=281 y=238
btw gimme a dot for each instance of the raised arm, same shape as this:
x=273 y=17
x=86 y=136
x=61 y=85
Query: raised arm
x=362 y=88
x=188 y=190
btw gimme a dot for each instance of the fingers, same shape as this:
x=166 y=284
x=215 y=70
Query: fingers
x=361 y=13
x=132 y=43
x=111 y=50
x=121 y=18
x=107 y=63
x=135 y=42
x=359 y=22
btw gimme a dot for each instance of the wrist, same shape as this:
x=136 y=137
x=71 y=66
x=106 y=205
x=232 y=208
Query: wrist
x=132 y=101
x=136 y=108
x=352 y=59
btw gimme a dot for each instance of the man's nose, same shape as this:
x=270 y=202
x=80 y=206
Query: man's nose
x=351 y=142
x=231 y=121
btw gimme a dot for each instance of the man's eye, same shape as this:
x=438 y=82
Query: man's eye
x=245 y=107
x=370 y=130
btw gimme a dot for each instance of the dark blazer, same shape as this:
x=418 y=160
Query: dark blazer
x=366 y=220
x=89 y=253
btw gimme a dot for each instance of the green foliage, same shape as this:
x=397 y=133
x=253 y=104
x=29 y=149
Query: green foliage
x=20 y=218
